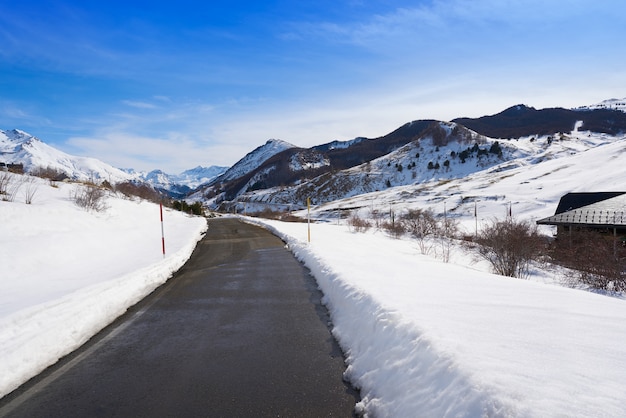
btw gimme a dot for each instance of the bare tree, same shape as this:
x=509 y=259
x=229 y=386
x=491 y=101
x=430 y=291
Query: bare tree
x=509 y=246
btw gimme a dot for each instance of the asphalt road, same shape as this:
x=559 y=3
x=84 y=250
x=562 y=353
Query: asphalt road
x=239 y=331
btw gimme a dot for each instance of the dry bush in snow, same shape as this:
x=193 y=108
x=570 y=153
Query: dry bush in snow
x=509 y=246
x=358 y=224
x=89 y=197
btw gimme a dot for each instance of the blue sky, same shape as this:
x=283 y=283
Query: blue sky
x=177 y=84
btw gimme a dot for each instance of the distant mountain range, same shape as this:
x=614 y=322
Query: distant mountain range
x=278 y=173
x=418 y=151
x=19 y=147
x=179 y=185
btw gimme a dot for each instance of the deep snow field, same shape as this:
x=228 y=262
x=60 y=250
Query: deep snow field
x=422 y=337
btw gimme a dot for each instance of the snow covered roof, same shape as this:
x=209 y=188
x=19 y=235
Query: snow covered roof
x=603 y=209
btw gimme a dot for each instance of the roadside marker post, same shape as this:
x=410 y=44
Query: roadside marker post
x=162 y=231
x=308 y=208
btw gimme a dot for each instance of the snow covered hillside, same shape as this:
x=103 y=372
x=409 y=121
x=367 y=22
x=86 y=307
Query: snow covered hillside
x=617 y=104
x=65 y=273
x=531 y=184
x=429 y=169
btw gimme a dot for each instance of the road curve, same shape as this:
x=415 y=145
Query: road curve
x=239 y=331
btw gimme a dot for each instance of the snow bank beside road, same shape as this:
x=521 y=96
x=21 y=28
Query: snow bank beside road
x=426 y=338
x=66 y=273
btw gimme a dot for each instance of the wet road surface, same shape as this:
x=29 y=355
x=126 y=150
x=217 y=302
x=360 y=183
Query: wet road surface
x=239 y=331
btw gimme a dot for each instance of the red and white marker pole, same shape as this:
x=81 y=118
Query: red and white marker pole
x=162 y=233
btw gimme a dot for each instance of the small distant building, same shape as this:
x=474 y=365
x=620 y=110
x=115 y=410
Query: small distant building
x=14 y=168
x=601 y=211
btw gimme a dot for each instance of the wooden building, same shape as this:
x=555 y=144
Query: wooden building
x=602 y=211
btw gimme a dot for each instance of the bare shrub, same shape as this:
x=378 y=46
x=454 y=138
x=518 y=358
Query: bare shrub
x=89 y=197
x=422 y=225
x=358 y=224
x=30 y=189
x=377 y=217
x=51 y=174
x=447 y=231
x=600 y=262
x=141 y=190
x=277 y=215
x=10 y=184
x=5 y=181
x=394 y=228
x=509 y=246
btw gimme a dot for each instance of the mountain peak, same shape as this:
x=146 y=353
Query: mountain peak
x=18 y=136
x=278 y=143
x=515 y=111
x=17 y=146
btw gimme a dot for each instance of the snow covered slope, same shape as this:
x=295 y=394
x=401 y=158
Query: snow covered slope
x=20 y=147
x=616 y=104
x=451 y=158
x=531 y=184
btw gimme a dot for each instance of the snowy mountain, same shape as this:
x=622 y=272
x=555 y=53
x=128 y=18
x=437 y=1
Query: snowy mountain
x=255 y=158
x=531 y=182
x=199 y=175
x=19 y=147
x=615 y=104
x=248 y=164
x=521 y=120
x=450 y=154
x=179 y=185
x=417 y=152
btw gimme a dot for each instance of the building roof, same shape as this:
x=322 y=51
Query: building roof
x=603 y=209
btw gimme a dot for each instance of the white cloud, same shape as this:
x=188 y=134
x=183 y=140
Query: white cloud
x=174 y=153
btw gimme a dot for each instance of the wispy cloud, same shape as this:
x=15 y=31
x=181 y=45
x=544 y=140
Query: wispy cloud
x=139 y=104
x=174 y=153
x=13 y=113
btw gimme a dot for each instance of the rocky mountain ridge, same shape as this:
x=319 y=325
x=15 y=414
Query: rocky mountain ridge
x=422 y=150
